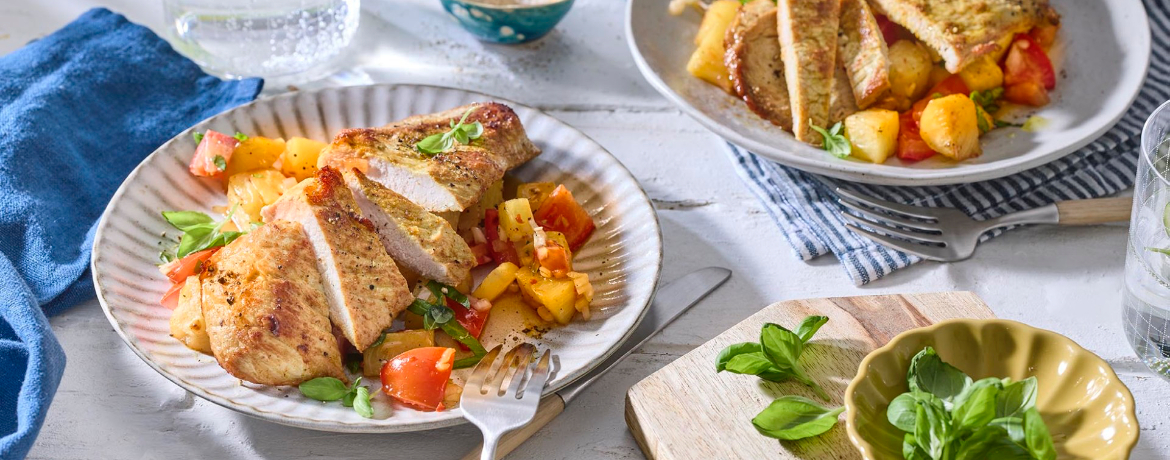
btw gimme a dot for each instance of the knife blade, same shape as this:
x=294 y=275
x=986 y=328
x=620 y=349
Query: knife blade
x=670 y=302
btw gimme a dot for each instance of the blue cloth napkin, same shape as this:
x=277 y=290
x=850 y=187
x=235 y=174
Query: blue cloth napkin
x=805 y=207
x=78 y=110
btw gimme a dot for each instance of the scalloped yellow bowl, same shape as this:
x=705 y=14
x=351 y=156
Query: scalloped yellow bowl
x=1086 y=407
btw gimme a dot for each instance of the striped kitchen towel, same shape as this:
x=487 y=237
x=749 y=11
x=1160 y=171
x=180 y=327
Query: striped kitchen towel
x=805 y=207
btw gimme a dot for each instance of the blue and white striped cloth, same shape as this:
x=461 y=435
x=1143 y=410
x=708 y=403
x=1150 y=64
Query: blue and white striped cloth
x=805 y=207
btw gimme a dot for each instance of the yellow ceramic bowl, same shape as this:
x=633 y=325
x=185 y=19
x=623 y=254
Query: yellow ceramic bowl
x=1086 y=407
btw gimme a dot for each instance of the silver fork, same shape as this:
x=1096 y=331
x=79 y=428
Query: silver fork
x=949 y=235
x=493 y=400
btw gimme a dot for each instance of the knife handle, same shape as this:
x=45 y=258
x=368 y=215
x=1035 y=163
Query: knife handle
x=548 y=409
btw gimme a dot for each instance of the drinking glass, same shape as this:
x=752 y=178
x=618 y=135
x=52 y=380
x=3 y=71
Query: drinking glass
x=262 y=38
x=1146 y=313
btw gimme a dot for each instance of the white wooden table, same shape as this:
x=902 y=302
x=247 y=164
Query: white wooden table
x=111 y=405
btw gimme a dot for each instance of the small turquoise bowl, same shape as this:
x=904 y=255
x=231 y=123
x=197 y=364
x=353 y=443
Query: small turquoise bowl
x=507 y=24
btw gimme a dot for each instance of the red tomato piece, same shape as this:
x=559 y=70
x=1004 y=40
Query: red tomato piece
x=911 y=147
x=171 y=298
x=418 y=378
x=214 y=145
x=482 y=253
x=179 y=270
x=1027 y=62
x=953 y=84
x=891 y=32
x=555 y=259
x=471 y=319
x=561 y=213
x=501 y=250
x=1027 y=93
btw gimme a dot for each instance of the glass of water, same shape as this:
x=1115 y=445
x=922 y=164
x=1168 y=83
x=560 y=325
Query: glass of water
x=274 y=39
x=1147 y=260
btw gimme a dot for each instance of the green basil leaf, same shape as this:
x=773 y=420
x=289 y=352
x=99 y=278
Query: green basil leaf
x=441 y=314
x=809 y=326
x=794 y=417
x=460 y=136
x=734 y=350
x=440 y=290
x=932 y=428
x=456 y=331
x=1014 y=426
x=432 y=144
x=903 y=412
x=198 y=136
x=381 y=338
x=1036 y=436
x=193 y=240
x=361 y=403
x=220 y=163
x=755 y=364
x=929 y=373
x=347 y=400
x=990 y=442
x=977 y=409
x=353 y=362
x=781 y=346
x=910 y=449
x=473 y=130
x=1016 y=398
x=184 y=220
x=323 y=389
x=240 y=137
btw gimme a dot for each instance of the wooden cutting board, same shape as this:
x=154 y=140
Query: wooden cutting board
x=688 y=411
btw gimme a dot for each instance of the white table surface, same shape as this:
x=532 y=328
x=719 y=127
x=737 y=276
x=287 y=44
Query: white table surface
x=111 y=405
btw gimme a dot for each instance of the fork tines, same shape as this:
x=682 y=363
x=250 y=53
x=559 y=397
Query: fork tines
x=500 y=376
x=913 y=229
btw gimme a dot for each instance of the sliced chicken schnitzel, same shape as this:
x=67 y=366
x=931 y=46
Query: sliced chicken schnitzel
x=265 y=310
x=963 y=30
x=753 y=61
x=808 y=48
x=362 y=283
x=449 y=181
x=863 y=52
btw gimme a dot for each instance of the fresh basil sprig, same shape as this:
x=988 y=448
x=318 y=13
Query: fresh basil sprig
x=199 y=231
x=460 y=132
x=795 y=417
x=452 y=328
x=946 y=415
x=775 y=358
x=331 y=389
x=198 y=136
x=835 y=141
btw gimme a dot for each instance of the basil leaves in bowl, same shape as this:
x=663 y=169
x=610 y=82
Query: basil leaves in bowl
x=1029 y=379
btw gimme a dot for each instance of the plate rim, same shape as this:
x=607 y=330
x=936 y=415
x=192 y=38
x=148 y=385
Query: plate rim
x=863 y=172
x=338 y=426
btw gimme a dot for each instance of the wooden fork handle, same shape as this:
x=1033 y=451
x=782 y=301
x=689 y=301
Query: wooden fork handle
x=1095 y=211
x=548 y=410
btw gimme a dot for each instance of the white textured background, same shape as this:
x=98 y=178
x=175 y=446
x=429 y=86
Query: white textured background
x=111 y=405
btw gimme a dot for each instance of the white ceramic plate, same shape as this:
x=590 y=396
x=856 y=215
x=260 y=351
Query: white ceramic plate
x=623 y=258
x=1102 y=52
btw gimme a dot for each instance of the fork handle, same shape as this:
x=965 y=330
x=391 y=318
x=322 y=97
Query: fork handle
x=548 y=410
x=1094 y=211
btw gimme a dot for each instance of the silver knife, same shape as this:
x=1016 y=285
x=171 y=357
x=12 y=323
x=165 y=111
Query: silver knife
x=669 y=303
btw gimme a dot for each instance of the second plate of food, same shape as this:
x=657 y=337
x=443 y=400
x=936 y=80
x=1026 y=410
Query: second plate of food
x=586 y=291
x=1100 y=55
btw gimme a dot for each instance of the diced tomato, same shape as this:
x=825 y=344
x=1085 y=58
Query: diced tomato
x=561 y=213
x=178 y=270
x=911 y=147
x=214 y=145
x=418 y=378
x=1027 y=93
x=471 y=319
x=953 y=84
x=554 y=258
x=891 y=32
x=501 y=250
x=171 y=298
x=482 y=253
x=1044 y=34
x=1027 y=62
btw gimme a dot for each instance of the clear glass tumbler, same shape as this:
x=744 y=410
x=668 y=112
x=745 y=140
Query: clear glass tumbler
x=1146 y=314
x=262 y=38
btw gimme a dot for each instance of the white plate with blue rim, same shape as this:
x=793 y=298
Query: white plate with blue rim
x=1101 y=55
x=623 y=257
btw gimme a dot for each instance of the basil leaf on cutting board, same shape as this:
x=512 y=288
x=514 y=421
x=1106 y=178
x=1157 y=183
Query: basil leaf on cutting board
x=795 y=417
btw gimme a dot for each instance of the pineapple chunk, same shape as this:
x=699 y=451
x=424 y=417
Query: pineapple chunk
x=536 y=192
x=981 y=75
x=254 y=153
x=497 y=281
x=394 y=344
x=557 y=296
x=950 y=127
x=873 y=133
x=492 y=197
x=707 y=60
x=249 y=191
x=718 y=17
x=514 y=217
x=909 y=70
x=300 y=157
x=187 y=320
